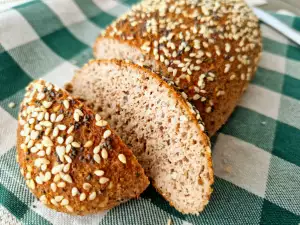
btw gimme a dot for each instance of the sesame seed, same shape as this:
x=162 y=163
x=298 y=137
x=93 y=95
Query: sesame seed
x=68 y=148
x=46 y=123
x=28 y=175
x=66 y=168
x=53 y=187
x=88 y=144
x=61 y=126
x=59 y=118
x=106 y=134
x=61 y=184
x=60 y=140
x=64 y=202
x=69 y=140
x=71 y=128
x=68 y=158
x=69 y=208
x=34 y=149
x=46 y=116
x=208 y=109
x=41 y=153
x=196 y=97
x=86 y=186
x=55 y=132
x=92 y=196
x=57 y=169
x=79 y=112
x=99 y=173
x=44 y=167
x=96 y=149
x=56 y=178
x=47 y=131
x=104 y=153
x=97 y=117
x=40 y=96
x=58 y=198
x=103 y=180
x=75 y=144
x=47 y=104
x=122 y=158
x=82 y=197
x=66 y=104
x=232 y=77
x=227 y=68
x=48 y=150
x=38 y=180
x=97 y=158
x=53 y=202
x=52 y=117
x=67 y=178
x=76 y=117
x=74 y=191
x=43 y=199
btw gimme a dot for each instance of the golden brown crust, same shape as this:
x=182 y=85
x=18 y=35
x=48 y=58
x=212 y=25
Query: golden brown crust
x=191 y=117
x=102 y=167
x=216 y=49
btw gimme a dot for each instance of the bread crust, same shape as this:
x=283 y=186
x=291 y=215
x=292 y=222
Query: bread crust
x=102 y=181
x=227 y=40
x=191 y=117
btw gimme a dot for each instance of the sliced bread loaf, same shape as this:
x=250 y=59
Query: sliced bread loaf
x=70 y=157
x=156 y=122
x=208 y=48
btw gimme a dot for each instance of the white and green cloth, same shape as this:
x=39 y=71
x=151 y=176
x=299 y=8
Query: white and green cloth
x=256 y=155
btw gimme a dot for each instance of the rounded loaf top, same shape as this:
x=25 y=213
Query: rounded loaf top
x=208 y=48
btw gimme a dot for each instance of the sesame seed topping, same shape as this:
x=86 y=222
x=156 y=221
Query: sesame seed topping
x=61 y=126
x=53 y=187
x=70 y=130
x=75 y=144
x=53 y=202
x=61 y=184
x=106 y=134
x=99 y=173
x=88 y=144
x=101 y=123
x=82 y=197
x=98 y=117
x=92 y=196
x=74 y=191
x=59 y=118
x=96 y=149
x=69 y=208
x=69 y=140
x=47 y=104
x=66 y=104
x=58 y=198
x=103 y=180
x=97 y=158
x=122 y=158
x=67 y=178
x=86 y=186
x=104 y=153
x=52 y=117
x=64 y=202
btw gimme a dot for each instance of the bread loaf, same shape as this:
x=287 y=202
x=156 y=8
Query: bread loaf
x=209 y=49
x=164 y=132
x=71 y=159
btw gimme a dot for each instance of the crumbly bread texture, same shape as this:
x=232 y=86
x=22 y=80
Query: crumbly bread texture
x=70 y=157
x=208 y=48
x=157 y=123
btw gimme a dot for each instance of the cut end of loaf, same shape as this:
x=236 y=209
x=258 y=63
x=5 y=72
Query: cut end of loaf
x=157 y=124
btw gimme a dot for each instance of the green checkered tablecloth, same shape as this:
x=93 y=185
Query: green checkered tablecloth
x=256 y=155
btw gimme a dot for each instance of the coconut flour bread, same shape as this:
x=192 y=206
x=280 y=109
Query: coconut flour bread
x=164 y=132
x=71 y=159
x=208 y=48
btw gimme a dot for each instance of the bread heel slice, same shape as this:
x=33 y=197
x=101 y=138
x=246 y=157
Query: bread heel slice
x=157 y=123
x=70 y=157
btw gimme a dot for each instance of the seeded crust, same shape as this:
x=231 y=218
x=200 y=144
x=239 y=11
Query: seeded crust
x=99 y=172
x=103 y=82
x=209 y=49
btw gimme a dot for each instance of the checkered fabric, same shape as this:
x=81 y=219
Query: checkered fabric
x=256 y=155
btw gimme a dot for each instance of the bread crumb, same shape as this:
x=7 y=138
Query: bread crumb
x=169 y=221
x=11 y=105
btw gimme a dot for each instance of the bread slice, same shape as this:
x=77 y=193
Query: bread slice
x=70 y=157
x=209 y=49
x=153 y=119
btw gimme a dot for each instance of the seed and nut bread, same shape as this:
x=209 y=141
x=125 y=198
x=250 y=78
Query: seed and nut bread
x=72 y=160
x=209 y=49
x=165 y=133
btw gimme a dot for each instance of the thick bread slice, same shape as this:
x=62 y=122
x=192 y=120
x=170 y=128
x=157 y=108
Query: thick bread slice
x=153 y=119
x=208 y=48
x=71 y=159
